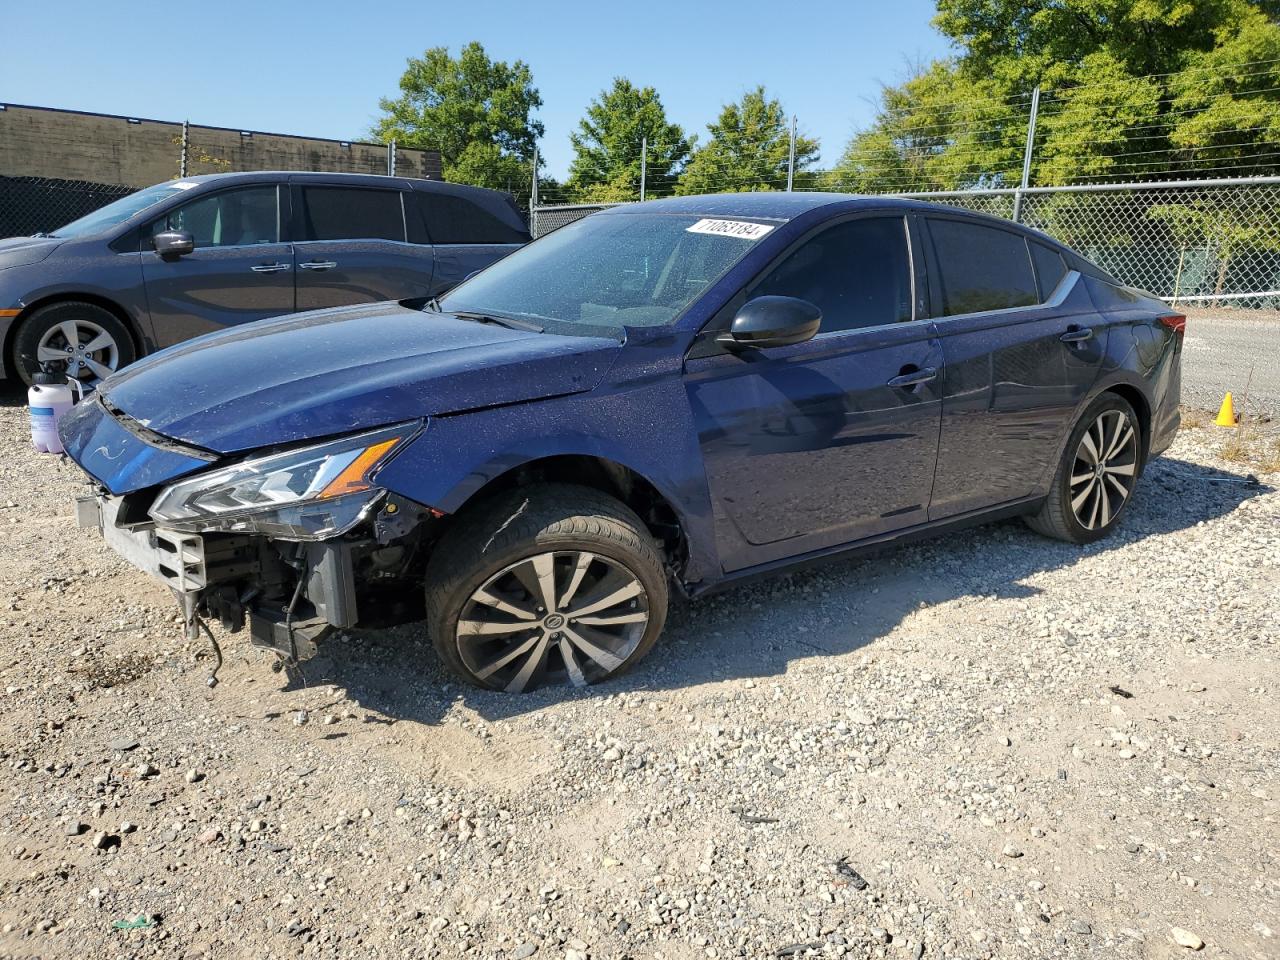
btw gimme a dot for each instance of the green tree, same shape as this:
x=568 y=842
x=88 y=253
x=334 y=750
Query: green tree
x=748 y=150
x=1130 y=90
x=606 y=162
x=474 y=110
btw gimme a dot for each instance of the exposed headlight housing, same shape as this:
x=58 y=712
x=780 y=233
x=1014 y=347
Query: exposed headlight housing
x=308 y=494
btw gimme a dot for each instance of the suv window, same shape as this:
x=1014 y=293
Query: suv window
x=981 y=268
x=1050 y=269
x=351 y=213
x=457 y=220
x=857 y=273
x=230 y=218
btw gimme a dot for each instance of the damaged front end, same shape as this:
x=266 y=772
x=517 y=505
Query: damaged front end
x=294 y=543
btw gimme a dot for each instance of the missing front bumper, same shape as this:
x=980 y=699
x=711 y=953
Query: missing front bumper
x=227 y=576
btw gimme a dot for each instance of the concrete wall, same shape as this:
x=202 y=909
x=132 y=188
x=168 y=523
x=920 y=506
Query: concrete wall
x=100 y=148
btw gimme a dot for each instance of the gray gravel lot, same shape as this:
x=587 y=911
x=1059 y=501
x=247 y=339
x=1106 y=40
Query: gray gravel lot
x=987 y=745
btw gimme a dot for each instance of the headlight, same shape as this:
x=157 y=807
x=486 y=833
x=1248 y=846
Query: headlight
x=308 y=494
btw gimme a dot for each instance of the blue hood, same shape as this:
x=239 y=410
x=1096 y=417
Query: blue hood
x=337 y=371
x=20 y=251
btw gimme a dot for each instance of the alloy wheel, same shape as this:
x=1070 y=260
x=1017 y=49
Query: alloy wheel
x=87 y=350
x=566 y=616
x=1105 y=469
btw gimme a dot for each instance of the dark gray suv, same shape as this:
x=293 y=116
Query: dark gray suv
x=199 y=254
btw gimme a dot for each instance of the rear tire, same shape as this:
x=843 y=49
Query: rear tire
x=45 y=336
x=1095 y=479
x=548 y=584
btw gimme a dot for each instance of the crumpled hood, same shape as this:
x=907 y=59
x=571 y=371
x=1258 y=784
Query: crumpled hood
x=337 y=371
x=20 y=251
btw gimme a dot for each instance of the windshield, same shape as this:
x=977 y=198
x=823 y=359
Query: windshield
x=610 y=270
x=120 y=210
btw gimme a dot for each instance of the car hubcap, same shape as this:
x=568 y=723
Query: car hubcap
x=559 y=617
x=86 y=350
x=1105 y=469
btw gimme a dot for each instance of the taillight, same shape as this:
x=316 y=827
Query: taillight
x=1176 y=322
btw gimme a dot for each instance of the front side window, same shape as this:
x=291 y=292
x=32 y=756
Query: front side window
x=981 y=268
x=351 y=213
x=243 y=217
x=858 y=273
x=611 y=270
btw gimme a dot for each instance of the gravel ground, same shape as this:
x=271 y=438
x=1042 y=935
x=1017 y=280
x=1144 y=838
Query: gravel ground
x=987 y=745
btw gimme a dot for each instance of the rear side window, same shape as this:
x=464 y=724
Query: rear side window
x=857 y=273
x=1050 y=269
x=349 y=213
x=981 y=268
x=452 y=219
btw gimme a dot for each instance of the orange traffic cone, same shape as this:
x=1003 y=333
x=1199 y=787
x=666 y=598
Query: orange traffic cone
x=1227 y=412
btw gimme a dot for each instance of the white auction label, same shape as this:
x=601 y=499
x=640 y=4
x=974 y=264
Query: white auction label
x=731 y=228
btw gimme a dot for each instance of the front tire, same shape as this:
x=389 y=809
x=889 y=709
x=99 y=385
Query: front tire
x=1096 y=476
x=551 y=584
x=82 y=339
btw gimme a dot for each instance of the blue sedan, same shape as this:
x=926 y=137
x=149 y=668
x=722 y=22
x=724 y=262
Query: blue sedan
x=673 y=395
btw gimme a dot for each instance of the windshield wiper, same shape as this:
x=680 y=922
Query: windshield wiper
x=41 y=235
x=511 y=323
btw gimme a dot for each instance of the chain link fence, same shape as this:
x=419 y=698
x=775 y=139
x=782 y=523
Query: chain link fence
x=31 y=205
x=1211 y=242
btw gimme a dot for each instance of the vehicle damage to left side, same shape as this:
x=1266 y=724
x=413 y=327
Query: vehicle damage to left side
x=294 y=543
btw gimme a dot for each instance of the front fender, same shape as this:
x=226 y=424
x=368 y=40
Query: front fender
x=647 y=428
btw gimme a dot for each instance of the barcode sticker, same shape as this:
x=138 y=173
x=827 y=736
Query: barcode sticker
x=731 y=228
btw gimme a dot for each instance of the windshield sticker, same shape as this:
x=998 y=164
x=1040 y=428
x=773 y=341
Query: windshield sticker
x=184 y=185
x=731 y=228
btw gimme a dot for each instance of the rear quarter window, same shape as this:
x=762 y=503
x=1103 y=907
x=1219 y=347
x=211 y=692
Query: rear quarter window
x=1050 y=268
x=981 y=268
x=451 y=219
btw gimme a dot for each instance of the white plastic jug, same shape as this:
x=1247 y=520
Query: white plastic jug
x=47 y=400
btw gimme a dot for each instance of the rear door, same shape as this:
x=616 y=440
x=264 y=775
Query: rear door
x=241 y=269
x=352 y=246
x=822 y=443
x=1022 y=345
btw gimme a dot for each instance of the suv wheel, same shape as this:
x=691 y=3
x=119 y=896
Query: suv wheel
x=1096 y=476
x=547 y=585
x=84 y=340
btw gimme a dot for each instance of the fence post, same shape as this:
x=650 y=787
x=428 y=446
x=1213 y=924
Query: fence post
x=791 y=156
x=391 y=158
x=644 y=157
x=533 y=196
x=182 y=158
x=1026 y=156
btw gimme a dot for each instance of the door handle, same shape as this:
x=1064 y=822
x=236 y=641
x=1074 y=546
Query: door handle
x=1076 y=335
x=318 y=265
x=270 y=267
x=912 y=378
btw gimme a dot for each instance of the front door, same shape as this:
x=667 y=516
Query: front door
x=1022 y=344
x=352 y=247
x=834 y=440
x=241 y=269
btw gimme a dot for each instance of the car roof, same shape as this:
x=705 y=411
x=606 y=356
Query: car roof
x=772 y=205
x=355 y=179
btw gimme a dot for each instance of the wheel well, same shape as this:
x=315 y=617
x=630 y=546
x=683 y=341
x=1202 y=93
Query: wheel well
x=1140 y=406
x=618 y=481
x=109 y=305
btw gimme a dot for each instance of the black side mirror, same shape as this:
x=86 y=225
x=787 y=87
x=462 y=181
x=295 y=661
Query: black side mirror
x=772 y=322
x=174 y=243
